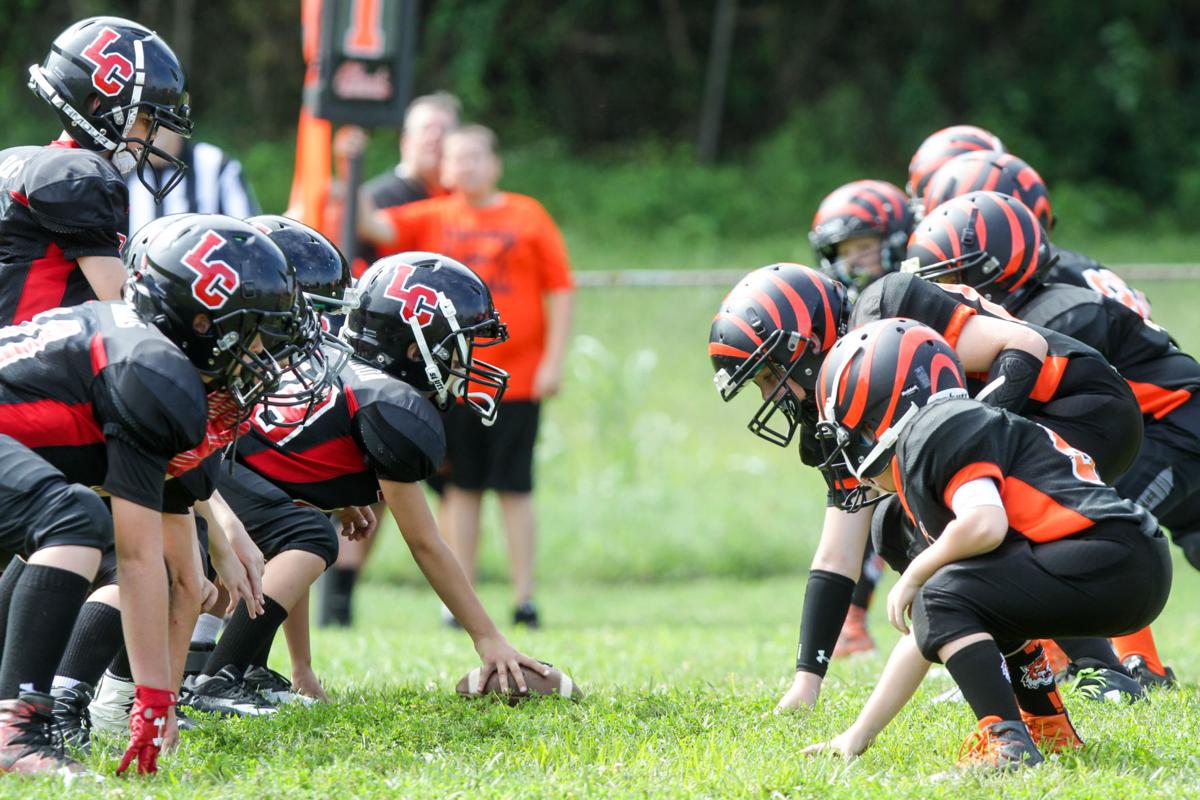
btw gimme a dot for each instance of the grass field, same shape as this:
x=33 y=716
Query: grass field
x=673 y=559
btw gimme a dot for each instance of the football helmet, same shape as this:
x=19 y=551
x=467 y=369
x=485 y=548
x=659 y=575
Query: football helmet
x=419 y=317
x=871 y=385
x=941 y=146
x=124 y=69
x=212 y=284
x=989 y=241
x=861 y=208
x=986 y=170
x=784 y=317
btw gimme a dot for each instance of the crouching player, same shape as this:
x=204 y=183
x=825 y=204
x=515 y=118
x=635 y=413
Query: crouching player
x=413 y=327
x=1018 y=538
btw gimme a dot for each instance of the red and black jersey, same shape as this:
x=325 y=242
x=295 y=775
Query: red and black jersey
x=57 y=204
x=370 y=427
x=1076 y=269
x=1049 y=489
x=1163 y=378
x=1070 y=368
x=101 y=395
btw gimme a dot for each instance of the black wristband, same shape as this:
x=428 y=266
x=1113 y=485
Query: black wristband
x=826 y=601
x=1019 y=370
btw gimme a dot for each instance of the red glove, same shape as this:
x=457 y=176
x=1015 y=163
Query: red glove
x=148 y=723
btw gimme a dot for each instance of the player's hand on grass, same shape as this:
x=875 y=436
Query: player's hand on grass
x=153 y=728
x=358 y=522
x=802 y=694
x=900 y=600
x=847 y=744
x=498 y=656
x=304 y=681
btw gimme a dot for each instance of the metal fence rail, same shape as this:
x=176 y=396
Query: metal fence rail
x=664 y=278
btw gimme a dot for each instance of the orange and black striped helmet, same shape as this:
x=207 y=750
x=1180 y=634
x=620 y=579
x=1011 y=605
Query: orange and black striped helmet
x=784 y=317
x=985 y=170
x=989 y=241
x=861 y=208
x=941 y=146
x=871 y=385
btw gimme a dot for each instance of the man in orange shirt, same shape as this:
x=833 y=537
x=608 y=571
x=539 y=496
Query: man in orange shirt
x=515 y=247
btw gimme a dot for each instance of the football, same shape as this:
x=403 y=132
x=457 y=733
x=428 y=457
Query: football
x=556 y=683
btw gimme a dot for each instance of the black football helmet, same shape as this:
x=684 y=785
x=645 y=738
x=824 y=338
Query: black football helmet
x=871 y=385
x=129 y=70
x=419 y=317
x=938 y=148
x=987 y=170
x=321 y=269
x=133 y=251
x=784 y=317
x=861 y=208
x=212 y=284
x=989 y=241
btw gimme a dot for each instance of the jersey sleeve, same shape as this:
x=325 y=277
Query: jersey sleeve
x=183 y=491
x=402 y=437
x=151 y=406
x=80 y=199
x=903 y=295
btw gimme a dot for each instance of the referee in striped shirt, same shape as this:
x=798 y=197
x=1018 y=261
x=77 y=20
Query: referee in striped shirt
x=214 y=184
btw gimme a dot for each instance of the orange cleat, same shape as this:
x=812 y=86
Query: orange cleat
x=854 y=640
x=999 y=744
x=1055 y=733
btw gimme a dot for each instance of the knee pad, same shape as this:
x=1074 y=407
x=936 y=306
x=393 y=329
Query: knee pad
x=74 y=515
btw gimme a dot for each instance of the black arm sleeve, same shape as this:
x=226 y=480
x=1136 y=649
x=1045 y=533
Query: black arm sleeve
x=1014 y=373
x=826 y=601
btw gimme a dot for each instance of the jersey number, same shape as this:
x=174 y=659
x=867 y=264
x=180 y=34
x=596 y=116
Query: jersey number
x=417 y=301
x=1082 y=464
x=112 y=70
x=215 y=280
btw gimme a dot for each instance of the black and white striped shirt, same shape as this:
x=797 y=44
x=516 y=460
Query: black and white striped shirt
x=213 y=185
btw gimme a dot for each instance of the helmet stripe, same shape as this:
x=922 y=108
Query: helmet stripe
x=769 y=304
x=720 y=349
x=799 y=308
x=930 y=245
x=742 y=325
x=909 y=342
x=1017 y=254
x=952 y=236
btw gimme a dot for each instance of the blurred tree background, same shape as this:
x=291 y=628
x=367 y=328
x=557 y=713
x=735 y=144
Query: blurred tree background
x=600 y=104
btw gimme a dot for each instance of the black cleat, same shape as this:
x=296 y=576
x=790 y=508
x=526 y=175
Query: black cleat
x=1146 y=676
x=72 y=722
x=1096 y=681
x=274 y=687
x=527 y=614
x=226 y=694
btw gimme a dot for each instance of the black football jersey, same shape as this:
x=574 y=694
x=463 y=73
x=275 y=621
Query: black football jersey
x=102 y=396
x=1049 y=489
x=1070 y=368
x=370 y=427
x=57 y=204
x=1076 y=269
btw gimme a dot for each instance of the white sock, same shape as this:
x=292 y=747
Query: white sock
x=207 y=628
x=63 y=682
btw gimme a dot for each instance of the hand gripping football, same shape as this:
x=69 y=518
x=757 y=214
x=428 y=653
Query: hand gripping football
x=556 y=683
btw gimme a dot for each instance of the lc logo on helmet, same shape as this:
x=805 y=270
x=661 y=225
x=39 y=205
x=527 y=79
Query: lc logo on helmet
x=112 y=70
x=417 y=301
x=215 y=281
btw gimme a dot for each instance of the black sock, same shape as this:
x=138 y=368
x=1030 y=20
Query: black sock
x=94 y=642
x=40 y=619
x=1093 y=652
x=120 y=665
x=262 y=654
x=8 y=584
x=1033 y=681
x=244 y=636
x=978 y=669
x=337 y=593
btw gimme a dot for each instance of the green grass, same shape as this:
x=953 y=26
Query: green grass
x=679 y=677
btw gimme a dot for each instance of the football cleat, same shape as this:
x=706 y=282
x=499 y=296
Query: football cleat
x=226 y=694
x=999 y=744
x=855 y=639
x=1148 y=678
x=274 y=687
x=110 y=708
x=1055 y=733
x=527 y=614
x=73 y=725
x=1103 y=684
x=27 y=742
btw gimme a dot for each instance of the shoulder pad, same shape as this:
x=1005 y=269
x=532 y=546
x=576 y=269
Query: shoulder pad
x=401 y=433
x=879 y=299
x=72 y=190
x=154 y=397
